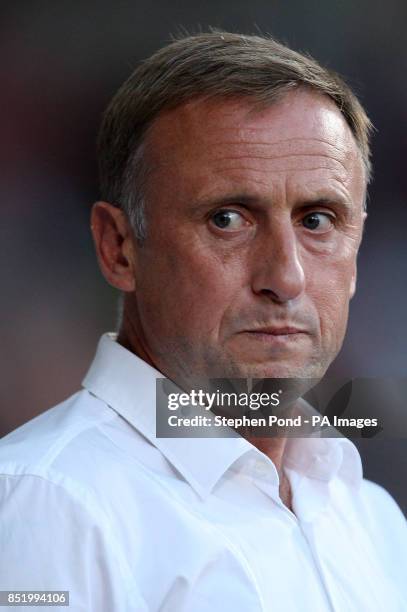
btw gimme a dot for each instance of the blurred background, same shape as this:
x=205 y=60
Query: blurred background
x=60 y=64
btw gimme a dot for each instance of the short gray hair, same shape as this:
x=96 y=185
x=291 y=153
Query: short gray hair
x=207 y=65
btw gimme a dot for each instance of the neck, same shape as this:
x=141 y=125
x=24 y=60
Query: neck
x=274 y=447
x=130 y=337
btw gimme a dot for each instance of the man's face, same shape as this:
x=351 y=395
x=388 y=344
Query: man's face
x=254 y=220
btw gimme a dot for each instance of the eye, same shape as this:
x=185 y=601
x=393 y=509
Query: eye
x=318 y=222
x=229 y=220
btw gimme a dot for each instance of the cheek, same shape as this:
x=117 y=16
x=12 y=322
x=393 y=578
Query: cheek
x=329 y=289
x=187 y=290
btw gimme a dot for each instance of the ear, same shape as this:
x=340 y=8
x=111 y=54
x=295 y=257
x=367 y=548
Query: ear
x=352 y=289
x=114 y=244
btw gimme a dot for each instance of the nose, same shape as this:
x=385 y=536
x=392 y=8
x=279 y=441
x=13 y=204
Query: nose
x=277 y=269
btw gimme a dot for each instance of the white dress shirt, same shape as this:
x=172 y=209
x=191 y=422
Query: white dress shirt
x=92 y=502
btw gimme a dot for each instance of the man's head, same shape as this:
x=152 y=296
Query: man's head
x=234 y=173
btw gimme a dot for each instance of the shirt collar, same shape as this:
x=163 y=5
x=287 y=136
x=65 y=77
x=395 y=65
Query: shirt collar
x=127 y=384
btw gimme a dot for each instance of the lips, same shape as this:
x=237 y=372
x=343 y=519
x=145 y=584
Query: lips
x=276 y=331
x=275 y=336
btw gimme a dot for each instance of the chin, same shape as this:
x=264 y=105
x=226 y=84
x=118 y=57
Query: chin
x=282 y=370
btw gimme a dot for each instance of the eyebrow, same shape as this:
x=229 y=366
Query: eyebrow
x=260 y=203
x=224 y=200
x=338 y=202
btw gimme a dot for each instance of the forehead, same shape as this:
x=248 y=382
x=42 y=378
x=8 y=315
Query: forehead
x=302 y=132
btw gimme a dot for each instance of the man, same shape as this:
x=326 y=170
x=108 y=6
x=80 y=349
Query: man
x=233 y=178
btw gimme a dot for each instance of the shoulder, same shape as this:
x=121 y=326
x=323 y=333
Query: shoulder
x=378 y=500
x=40 y=461
x=82 y=450
x=371 y=513
x=370 y=508
x=41 y=442
x=69 y=450
x=50 y=508
x=381 y=510
x=77 y=413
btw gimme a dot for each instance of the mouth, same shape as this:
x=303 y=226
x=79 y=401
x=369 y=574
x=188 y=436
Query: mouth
x=276 y=335
x=276 y=331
